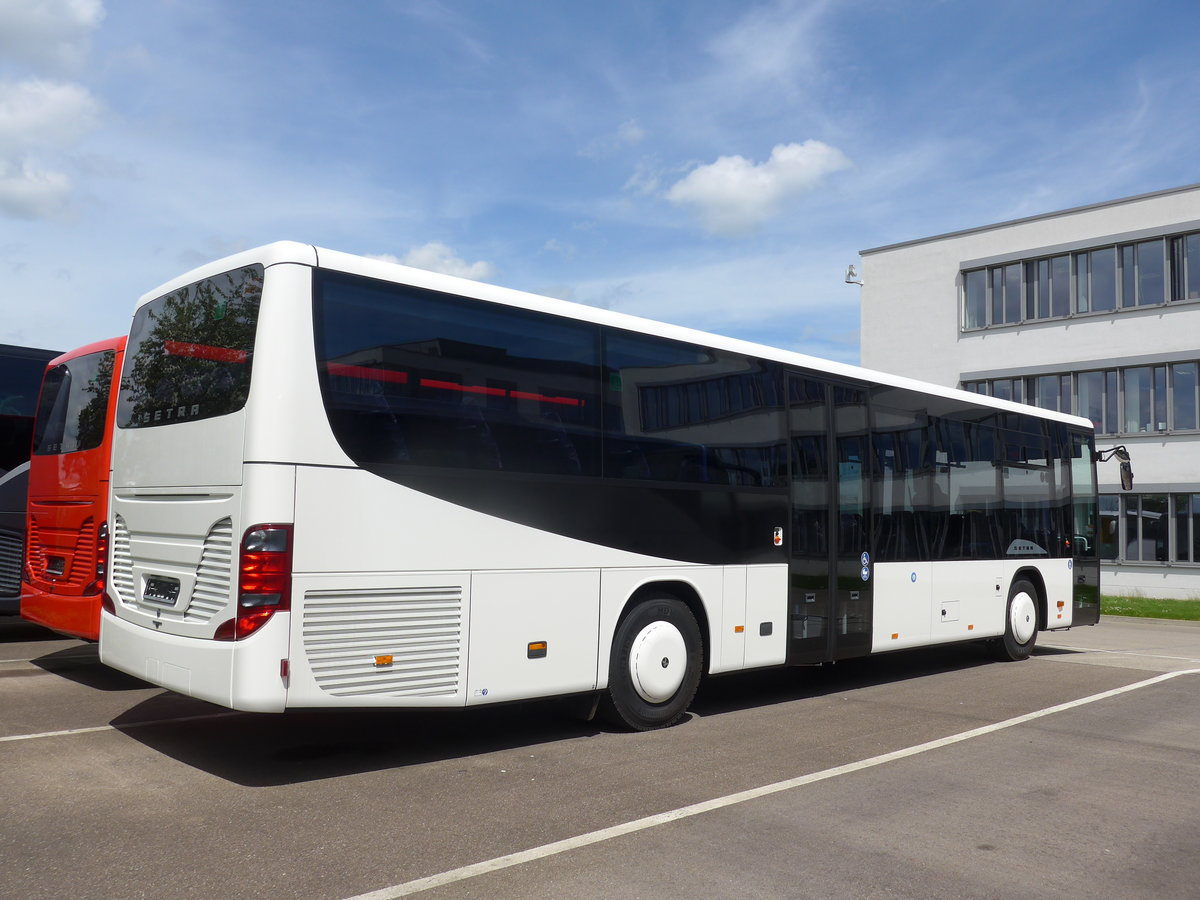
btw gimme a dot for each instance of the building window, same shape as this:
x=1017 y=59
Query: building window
x=1185 y=267
x=1089 y=388
x=1150 y=528
x=1151 y=273
x=1134 y=400
x=1095 y=280
x=1145 y=399
x=975 y=311
x=1184 y=510
x=1110 y=526
x=1183 y=396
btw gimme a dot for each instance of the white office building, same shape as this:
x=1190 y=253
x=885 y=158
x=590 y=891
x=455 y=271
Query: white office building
x=1093 y=310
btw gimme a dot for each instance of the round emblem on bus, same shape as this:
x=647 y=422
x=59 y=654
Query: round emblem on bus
x=865 y=573
x=865 y=559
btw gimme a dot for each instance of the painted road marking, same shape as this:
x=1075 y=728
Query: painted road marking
x=584 y=840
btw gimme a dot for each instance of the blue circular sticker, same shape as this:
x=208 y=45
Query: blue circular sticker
x=913 y=577
x=865 y=573
x=865 y=559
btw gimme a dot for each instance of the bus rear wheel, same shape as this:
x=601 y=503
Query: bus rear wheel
x=1020 y=623
x=655 y=665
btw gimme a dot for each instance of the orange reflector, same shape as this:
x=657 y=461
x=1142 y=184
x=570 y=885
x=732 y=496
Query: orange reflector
x=895 y=636
x=970 y=628
x=381 y=661
x=1061 y=604
x=739 y=629
x=536 y=650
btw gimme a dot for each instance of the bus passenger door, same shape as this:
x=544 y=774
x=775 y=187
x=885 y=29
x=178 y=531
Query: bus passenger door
x=830 y=565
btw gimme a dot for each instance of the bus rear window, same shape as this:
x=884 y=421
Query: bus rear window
x=73 y=405
x=190 y=352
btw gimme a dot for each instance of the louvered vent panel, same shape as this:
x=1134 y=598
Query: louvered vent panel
x=122 y=573
x=35 y=556
x=12 y=551
x=420 y=628
x=211 y=592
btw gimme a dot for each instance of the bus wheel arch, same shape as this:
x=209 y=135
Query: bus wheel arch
x=657 y=659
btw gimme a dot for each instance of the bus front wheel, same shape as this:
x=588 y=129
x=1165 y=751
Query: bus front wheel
x=655 y=665
x=1020 y=622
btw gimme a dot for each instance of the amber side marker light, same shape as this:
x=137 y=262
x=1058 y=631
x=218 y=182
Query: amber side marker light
x=537 y=650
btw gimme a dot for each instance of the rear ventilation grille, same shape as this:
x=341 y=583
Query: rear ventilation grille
x=35 y=556
x=79 y=561
x=348 y=634
x=122 y=559
x=211 y=592
x=12 y=551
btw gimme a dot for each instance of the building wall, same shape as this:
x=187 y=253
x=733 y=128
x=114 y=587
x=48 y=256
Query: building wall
x=912 y=315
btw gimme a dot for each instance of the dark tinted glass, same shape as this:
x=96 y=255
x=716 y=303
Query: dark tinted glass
x=21 y=370
x=190 y=352
x=73 y=405
x=417 y=377
x=679 y=412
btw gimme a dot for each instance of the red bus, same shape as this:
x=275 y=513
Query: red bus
x=67 y=537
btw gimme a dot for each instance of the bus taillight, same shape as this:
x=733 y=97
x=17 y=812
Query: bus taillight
x=264 y=580
x=97 y=586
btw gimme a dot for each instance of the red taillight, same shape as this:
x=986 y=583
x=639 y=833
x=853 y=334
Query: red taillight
x=97 y=586
x=264 y=580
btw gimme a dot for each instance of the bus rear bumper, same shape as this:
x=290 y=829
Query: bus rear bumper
x=231 y=674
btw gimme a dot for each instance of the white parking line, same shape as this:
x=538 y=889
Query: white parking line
x=604 y=834
x=95 y=728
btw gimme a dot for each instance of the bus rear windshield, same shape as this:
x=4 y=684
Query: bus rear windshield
x=190 y=352
x=73 y=405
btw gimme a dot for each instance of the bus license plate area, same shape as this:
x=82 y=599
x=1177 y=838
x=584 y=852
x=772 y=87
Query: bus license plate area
x=161 y=590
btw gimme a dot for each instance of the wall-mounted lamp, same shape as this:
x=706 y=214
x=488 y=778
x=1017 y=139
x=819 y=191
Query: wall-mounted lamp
x=852 y=276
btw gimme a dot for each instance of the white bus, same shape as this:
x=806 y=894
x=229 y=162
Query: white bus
x=343 y=482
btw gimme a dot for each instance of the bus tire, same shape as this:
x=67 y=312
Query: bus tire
x=654 y=669
x=1020 y=623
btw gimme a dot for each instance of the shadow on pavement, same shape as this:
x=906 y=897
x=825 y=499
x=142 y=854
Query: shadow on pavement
x=263 y=749
x=82 y=665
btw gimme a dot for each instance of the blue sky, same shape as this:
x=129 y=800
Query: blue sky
x=709 y=163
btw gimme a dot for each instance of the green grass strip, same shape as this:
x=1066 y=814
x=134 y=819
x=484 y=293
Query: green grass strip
x=1151 y=608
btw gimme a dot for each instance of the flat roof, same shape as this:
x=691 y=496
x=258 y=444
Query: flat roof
x=1048 y=215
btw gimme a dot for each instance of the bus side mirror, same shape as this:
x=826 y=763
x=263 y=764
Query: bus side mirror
x=1126 y=476
x=1122 y=456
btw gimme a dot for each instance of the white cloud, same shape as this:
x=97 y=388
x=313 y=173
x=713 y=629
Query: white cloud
x=627 y=135
x=48 y=33
x=39 y=117
x=733 y=196
x=27 y=192
x=770 y=43
x=437 y=257
x=36 y=113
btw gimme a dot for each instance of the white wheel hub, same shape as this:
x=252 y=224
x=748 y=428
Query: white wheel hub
x=1022 y=616
x=658 y=662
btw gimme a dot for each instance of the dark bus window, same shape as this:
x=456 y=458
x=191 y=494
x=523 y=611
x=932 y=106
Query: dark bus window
x=21 y=370
x=416 y=377
x=190 y=352
x=683 y=413
x=73 y=406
